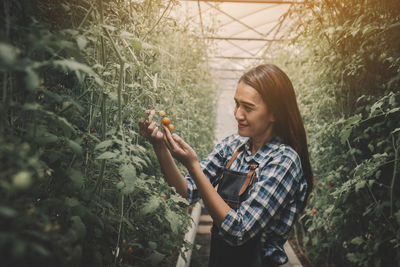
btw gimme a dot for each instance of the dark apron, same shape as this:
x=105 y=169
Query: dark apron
x=233 y=187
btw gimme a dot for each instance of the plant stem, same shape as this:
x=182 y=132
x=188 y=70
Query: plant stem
x=352 y=155
x=394 y=175
x=119 y=229
x=158 y=21
x=86 y=16
x=121 y=59
x=103 y=103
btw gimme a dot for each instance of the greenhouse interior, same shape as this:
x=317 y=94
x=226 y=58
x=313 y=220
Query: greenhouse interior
x=101 y=164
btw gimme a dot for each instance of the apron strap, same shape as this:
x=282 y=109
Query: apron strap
x=249 y=178
x=234 y=156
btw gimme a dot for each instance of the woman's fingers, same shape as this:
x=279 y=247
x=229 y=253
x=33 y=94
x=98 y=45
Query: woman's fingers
x=168 y=139
x=179 y=140
x=154 y=132
x=151 y=115
x=151 y=127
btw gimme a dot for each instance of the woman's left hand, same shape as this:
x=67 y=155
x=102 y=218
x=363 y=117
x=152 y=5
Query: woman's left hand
x=179 y=149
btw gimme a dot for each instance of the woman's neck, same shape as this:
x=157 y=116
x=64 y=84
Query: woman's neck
x=258 y=142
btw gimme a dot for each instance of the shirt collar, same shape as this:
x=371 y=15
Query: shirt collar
x=263 y=152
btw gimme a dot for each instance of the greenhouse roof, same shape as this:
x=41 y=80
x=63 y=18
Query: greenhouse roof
x=240 y=32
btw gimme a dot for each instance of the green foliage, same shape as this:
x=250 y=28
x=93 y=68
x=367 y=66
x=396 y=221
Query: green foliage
x=345 y=63
x=79 y=186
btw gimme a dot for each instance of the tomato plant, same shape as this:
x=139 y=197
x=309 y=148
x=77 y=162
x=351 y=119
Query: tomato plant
x=347 y=84
x=79 y=186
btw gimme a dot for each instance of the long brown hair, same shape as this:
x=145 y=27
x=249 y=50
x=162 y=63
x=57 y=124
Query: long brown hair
x=278 y=94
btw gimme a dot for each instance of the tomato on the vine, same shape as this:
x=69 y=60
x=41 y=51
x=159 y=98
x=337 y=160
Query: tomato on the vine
x=171 y=127
x=162 y=113
x=166 y=121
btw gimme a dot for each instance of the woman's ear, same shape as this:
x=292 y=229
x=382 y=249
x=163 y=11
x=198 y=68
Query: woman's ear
x=271 y=117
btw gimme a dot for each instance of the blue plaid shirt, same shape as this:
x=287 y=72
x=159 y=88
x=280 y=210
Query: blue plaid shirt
x=274 y=200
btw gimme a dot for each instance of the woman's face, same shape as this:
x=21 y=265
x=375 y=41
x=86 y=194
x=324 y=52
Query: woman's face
x=252 y=114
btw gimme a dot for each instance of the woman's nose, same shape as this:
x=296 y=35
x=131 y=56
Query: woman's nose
x=238 y=114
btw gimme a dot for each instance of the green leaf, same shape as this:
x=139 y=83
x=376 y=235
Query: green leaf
x=46 y=138
x=371 y=147
x=172 y=218
x=345 y=134
x=71 y=202
x=353 y=257
x=357 y=240
x=360 y=185
x=120 y=185
x=81 y=42
x=78 y=226
x=156 y=258
x=107 y=155
x=397 y=215
x=8 y=55
x=7 y=212
x=104 y=144
x=349 y=124
x=31 y=107
x=22 y=180
x=71 y=65
x=354 y=119
x=39 y=249
x=152 y=245
x=128 y=174
x=151 y=205
x=375 y=106
x=395 y=130
x=67 y=127
x=75 y=147
x=109 y=27
x=32 y=81
x=76 y=177
x=137 y=46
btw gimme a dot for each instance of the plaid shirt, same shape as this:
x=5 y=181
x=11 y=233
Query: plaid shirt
x=274 y=200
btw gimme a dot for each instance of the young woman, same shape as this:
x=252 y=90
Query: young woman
x=263 y=172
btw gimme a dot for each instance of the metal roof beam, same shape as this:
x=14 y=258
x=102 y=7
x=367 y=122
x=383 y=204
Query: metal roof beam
x=252 y=13
x=222 y=57
x=244 y=39
x=252 y=1
x=235 y=19
x=222 y=69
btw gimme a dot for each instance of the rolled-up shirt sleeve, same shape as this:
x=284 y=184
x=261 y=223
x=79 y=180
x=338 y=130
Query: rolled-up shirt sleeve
x=277 y=184
x=212 y=167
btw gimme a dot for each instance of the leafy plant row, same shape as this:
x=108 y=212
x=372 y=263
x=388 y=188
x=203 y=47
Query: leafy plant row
x=346 y=67
x=79 y=186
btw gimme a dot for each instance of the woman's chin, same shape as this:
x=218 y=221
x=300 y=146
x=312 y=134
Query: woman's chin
x=243 y=132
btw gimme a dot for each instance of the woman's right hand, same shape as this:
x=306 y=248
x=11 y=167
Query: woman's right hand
x=149 y=130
